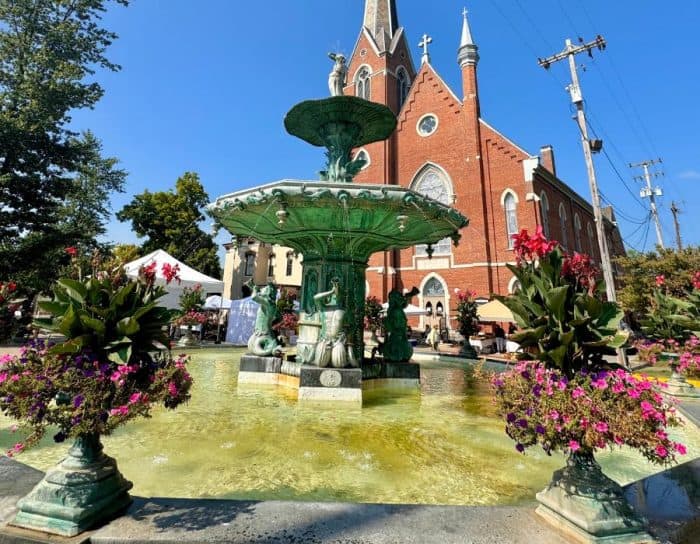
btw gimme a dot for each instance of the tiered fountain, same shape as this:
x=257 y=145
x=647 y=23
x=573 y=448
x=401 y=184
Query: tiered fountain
x=336 y=225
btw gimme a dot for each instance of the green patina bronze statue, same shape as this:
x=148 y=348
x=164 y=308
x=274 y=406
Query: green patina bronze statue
x=332 y=349
x=396 y=347
x=263 y=342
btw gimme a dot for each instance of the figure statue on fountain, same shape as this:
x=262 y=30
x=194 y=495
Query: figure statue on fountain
x=396 y=347
x=336 y=79
x=263 y=342
x=333 y=348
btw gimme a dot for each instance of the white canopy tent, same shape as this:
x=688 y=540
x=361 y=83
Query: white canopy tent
x=189 y=277
x=217 y=302
x=411 y=309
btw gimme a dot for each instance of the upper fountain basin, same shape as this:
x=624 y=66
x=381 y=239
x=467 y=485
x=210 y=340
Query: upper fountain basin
x=330 y=218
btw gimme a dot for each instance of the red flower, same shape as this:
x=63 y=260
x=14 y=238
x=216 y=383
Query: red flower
x=149 y=272
x=528 y=247
x=581 y=270
x=696 y=280
x=72 y=251
x=171 y=272
x=660 y=280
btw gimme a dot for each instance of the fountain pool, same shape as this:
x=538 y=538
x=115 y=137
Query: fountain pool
x=439 y=445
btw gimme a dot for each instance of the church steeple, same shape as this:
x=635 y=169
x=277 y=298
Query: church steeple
x=468 y=54
x=381 y=22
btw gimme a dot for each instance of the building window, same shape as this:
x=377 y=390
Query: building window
x=443 y=247
x=510 y=205
x=290 y=263
x=433 y=288
x=271 y=266
x=577 y=233
x=249 y=264
x=544 y=210
x=362 y=154
x=591 y=243
x=427 y=124
x=363 y=84
x=562 y=222
x=403 y=85
x=432 y=182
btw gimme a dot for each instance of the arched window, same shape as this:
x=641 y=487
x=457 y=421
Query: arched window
x=403 y=85
x=290 y=263
x=510 y=206
x=362 y=154
x=433 y=288
x=433 y=182
x=544 y=210
x=271 y=266
x=591 y=240
x=249 y=264
x=429 y=308
x=363 y=84
x=564 y=227
x=577 y=233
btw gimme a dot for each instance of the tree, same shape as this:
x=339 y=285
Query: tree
x=170 y=221
x=49 y=50
x=641 y=270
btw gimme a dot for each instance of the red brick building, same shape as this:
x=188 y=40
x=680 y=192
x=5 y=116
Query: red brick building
x=443 y=147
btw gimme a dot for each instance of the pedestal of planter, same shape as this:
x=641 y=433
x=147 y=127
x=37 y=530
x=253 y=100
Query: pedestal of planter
x=187 y=339
x=582 y=501
x=85 y=489
x=679 y=387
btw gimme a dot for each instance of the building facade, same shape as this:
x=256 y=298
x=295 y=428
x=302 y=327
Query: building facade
x=443 y=148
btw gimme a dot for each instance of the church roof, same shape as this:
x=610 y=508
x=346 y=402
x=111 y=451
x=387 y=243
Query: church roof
x=381 y=21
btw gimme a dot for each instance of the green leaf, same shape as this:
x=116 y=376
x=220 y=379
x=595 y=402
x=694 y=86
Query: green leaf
x=120 y=356
x=74 y=289
x=53 y=307
x=92 y=323
x=123 y=293
x=128 y=326
x=558 y=355
x=556 y=300
x=619 y=340
x=69 y=323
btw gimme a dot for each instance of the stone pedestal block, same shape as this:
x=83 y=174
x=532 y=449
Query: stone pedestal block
x=582 y=501
x=336 y=384
x=85 y=489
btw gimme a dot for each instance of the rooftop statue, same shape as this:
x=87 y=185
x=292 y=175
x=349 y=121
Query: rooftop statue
x=336 y=79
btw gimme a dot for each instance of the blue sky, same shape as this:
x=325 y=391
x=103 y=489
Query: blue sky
x=205 y=86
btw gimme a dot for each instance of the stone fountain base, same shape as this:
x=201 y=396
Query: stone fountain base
x=327 y=384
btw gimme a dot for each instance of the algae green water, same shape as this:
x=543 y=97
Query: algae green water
x=440 y=445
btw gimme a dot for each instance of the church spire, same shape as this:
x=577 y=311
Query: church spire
x=381 y=21
x=468 y=54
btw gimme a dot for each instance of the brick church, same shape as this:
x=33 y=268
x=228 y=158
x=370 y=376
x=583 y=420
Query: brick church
x=442 y=147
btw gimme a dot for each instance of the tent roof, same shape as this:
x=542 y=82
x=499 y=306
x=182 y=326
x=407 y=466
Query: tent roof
x=410 y=309
x=188 y=276
x=494 y=311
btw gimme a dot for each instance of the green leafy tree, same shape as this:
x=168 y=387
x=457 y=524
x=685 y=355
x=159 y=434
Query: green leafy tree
x=640 y=271
x=170 y=221
x=466 y=314
x=49 y=51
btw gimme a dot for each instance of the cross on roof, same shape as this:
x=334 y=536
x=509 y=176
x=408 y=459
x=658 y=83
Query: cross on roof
x=464 y=12
x=424 y=44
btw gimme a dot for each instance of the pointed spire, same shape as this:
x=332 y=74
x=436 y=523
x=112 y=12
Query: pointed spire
x=381 y=21
x=468 y=54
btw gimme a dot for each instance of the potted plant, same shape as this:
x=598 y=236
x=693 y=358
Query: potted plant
x=373 y=317
x=565 y=397
x=674 y=324
x=188 y=320
x=112 y=367
x=467 y=320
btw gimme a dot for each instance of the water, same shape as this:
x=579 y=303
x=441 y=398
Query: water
x=442 y=445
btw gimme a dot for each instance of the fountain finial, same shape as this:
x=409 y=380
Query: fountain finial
x=336 y=79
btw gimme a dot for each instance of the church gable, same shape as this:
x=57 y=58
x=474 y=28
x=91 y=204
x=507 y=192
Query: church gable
x=428 y=93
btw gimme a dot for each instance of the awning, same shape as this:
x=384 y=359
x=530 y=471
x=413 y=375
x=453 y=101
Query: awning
x=494 y=311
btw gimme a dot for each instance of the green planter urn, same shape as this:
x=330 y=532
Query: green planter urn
x=84 y=490
x=582 y=501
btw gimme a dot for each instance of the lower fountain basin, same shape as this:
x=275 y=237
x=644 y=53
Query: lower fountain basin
x=440 y=444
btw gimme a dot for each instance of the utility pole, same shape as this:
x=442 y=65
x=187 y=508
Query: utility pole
x=675 y=211
x=570 y=52
x=651 y=194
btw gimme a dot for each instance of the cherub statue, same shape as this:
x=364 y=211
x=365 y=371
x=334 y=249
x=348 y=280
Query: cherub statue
x=396 y=346
x=336 y=79
x=263 y=342
x=332 y=348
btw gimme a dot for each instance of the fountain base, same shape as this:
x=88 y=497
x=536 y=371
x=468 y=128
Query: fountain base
x=327 y=384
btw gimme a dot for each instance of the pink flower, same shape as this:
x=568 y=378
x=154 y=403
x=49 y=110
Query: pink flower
x=660 y=280
x=554 y=415
x=172 y=389
x=3 y=376
x=578 y=392
x=119 y=411
x=618 y=387
x=680 y=448
x=600 y=383
x=136 y=397
x=634 y=393
x=574 y=445
x=618 y=440
x=601 y=427
x=661 y=451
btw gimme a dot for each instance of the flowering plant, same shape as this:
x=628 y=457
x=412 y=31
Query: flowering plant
x=106 y=371
x=83 y=394
x=466 y=313
x=288 y=321
x=191 y=318
x=373 y=314
x=7 y=310
x=592 y=410
x=192 y=299
x=559 y=308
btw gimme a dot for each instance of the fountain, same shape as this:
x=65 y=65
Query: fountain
x=337 y=225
